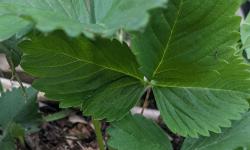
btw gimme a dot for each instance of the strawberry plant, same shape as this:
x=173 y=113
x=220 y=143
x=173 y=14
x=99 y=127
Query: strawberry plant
x=185 y=53
x=18 y=116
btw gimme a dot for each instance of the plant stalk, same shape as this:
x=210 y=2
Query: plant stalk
x=146 y=101
x=15 y=76
x=1 y=87
x=98 y=132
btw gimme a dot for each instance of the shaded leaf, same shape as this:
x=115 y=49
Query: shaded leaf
x=107 y=54
x=137 y=133
x=101 y=76
x=12 y=52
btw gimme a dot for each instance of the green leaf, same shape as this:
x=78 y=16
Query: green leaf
x=12 y=52
x=117 y=98
x=10 y=25
x=137 y=133
x=110 y=55
x=193 y=111
x=57 y=116
x=7 y=143
x=12 y=132
x=230 y=139
x=187 y=53
x=15 y=107
x=8 y=46
x=17 y=114
x=100 y=75
x=245 y=35
x=17 y=131
x=73 y=15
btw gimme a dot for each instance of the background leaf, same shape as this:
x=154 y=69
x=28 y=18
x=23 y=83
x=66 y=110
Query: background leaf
x=16 y=23
x=73 y=16
x=137 y=133
x=17 y=114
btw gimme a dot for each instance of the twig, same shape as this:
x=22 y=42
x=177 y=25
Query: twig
x=80 y=145
x=146 y=102
x=15 y=76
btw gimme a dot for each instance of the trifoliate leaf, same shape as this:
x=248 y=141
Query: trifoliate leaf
x=187 y=52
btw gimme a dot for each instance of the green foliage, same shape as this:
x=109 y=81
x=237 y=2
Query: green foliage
x=16 y=23
x=245 y=36
x=192 y=111
x=190 y=81
x=186 y=54
x=73 y=16
x=191 y=69
x=57 y=116
x=12 y=52
x=137 y=133
x=18 y=114
x=231 y=138
x=84 y=72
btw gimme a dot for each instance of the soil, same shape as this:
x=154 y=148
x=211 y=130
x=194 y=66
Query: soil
x=71 y=133
x=63 y=135
x=76 y=132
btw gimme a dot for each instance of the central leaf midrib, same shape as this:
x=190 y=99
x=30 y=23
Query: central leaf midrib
x=170 y=38
x=105 y=67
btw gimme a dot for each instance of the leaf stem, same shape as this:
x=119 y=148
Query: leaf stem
x=15 y=76
x=1 y=87
x=97 y=125
x=146 y=101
